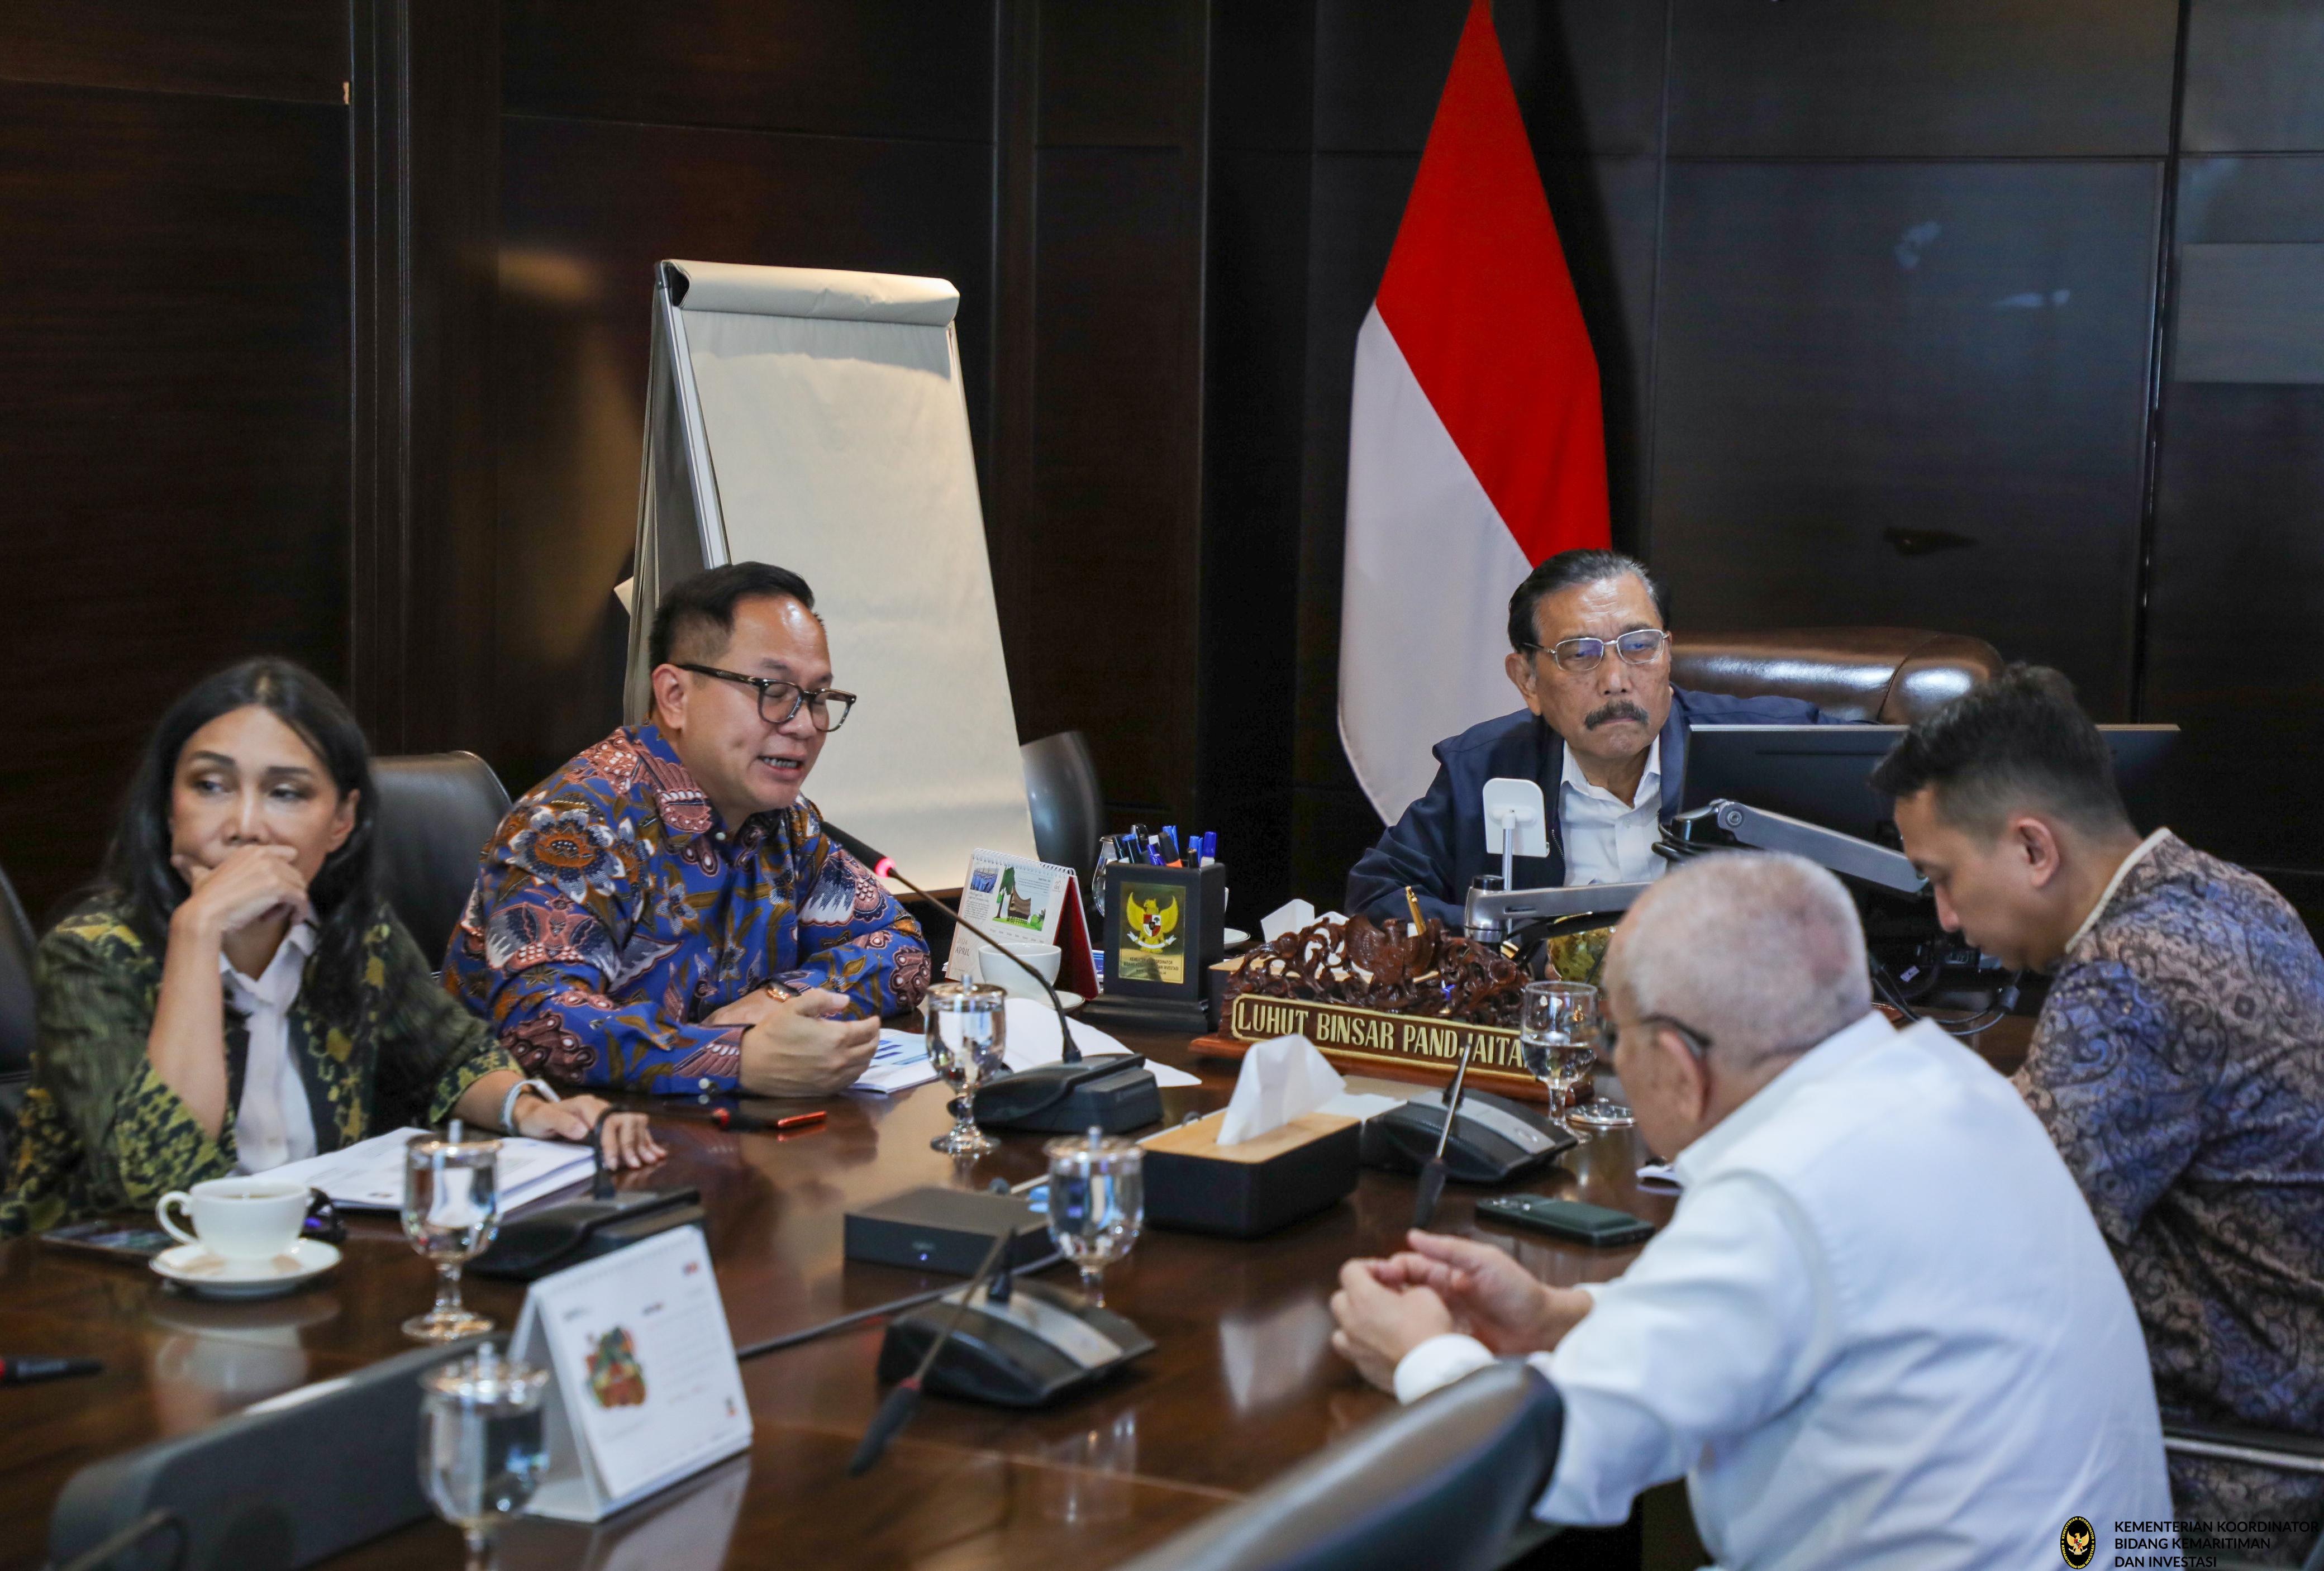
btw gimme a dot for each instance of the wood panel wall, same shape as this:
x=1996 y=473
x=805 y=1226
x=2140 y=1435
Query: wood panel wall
x=175 y=368
x=325 y=332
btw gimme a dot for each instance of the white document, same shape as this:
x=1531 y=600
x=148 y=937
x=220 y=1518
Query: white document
x=899 y=1063
x=1033 y=1040
x=1282 y=1078
x=644 y=1389
x=368 y=1176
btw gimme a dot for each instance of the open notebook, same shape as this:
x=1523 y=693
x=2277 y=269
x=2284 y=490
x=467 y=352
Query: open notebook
x=368 y=1176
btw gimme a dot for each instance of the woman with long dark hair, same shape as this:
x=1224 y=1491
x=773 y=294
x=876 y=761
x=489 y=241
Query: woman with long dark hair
x=234 y=993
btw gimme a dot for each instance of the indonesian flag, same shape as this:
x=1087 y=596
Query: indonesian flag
x=1476 y=446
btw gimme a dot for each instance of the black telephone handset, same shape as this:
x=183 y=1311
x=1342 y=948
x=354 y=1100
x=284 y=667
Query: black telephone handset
x=1494 y=1140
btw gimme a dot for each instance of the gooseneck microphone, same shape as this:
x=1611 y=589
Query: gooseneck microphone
x=1432 y=1175
x=902 y=1402
x=1114 y=1091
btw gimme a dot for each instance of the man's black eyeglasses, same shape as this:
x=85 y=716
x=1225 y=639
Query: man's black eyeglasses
x=779 y=700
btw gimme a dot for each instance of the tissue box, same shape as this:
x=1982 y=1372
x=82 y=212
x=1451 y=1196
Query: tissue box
x=1242 y=1191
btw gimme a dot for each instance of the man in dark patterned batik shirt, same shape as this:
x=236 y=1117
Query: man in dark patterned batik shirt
x=2178 y=1063
x=667 y=912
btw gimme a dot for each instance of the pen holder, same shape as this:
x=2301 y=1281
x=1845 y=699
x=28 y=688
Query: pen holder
x=1164 y=928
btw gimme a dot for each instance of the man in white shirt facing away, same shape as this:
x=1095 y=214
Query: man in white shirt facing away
x=1881 y=1330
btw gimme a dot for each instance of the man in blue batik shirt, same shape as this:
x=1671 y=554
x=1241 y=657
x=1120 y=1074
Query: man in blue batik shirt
x=2177 y=1062
x=1602 y=730
x=667 y=912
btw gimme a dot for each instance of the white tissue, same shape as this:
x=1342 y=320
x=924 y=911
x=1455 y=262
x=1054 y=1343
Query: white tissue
x=1282 y=1078
x=1285 y=919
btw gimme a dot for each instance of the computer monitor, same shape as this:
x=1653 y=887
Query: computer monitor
x=1821 y=774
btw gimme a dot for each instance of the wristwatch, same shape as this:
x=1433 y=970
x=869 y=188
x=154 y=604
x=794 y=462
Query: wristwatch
x=508 y=1103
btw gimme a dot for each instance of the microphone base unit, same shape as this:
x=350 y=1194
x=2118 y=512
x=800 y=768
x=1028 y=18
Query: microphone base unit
x=1038 y=1346
x=1189 y=1015
x=1116 y=1093
x=552 y=1237
x=1494 y=1141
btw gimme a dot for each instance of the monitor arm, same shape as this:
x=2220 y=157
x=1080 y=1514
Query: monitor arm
x=1761 y=831
x=1491 y=915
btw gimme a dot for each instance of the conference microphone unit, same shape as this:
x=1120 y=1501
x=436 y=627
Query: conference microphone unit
x=282 y=1484
x=1114 y=1092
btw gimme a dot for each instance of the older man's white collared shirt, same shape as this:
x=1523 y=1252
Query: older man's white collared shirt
x=1881 y=1331
x=1606 y=839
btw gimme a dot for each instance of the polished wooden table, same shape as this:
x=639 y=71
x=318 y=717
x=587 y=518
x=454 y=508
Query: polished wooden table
x=1242 y=1384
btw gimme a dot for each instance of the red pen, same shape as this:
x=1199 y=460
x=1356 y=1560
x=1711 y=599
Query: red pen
x=733 y=1118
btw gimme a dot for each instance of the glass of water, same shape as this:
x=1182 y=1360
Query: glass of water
x=1557 y=1032
x=968 y=1033
x=1097 y=1202
x=451 y=1210
x=480 y=1445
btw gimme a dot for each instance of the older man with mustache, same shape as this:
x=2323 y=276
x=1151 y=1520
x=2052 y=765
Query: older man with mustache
x=1602 y=730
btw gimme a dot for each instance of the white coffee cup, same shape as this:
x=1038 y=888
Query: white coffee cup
x=996 y=970
x=240 y=1218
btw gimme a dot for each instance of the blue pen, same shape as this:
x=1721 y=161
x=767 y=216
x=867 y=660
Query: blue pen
x=1210 y=845
x=1154 y=851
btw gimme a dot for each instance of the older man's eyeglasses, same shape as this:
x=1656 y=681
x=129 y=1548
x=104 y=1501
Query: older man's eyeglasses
x=1639 y=646
x=826 y=707
x=1696 y=1040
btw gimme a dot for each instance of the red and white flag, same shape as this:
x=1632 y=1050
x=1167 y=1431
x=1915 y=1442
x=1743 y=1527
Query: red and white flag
x=1476 y=445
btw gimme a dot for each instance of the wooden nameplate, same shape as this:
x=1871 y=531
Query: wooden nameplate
x=1398 y=1047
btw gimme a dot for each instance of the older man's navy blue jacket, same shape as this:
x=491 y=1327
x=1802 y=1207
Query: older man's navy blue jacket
x=1439 y=843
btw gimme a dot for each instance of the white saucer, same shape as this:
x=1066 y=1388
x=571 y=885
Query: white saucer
x=1234 y=936
x=203 y=1274
x=1070 y=999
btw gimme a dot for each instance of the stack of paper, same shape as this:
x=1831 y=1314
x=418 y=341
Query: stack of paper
x=368 y=1176
x=899 y=1063
x=1034 y=1040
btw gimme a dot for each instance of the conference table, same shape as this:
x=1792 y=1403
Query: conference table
x=1243 y=1383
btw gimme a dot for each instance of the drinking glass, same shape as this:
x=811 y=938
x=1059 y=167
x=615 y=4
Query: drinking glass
x=968 y=1031
x=1557 y=1032
x=451 y=1210
x=1562 y=1036
x=481 y=1444
x=1097 y=1202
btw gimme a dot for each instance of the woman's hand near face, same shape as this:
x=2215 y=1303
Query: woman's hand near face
x=252 y=883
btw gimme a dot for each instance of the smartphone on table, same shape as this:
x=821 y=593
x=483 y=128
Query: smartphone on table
x=1600 y=1225
x=120 y=1239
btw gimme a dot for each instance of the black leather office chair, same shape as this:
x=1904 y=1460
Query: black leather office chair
x=1441 y=1483
x=435 y=812
x=1068 y=809
x=2267 y=1448
x=16 y=1008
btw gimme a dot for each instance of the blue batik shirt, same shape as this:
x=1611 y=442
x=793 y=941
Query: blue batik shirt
x=2178 y=1064
x=614 y=912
